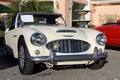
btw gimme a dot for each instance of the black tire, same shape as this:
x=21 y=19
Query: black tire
x=26 y=66
x=97 y=65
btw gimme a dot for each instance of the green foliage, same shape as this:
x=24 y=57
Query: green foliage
x=37 y=6
x=90 y=25
x=32 y=6
x=110 y=19
x=15 y=6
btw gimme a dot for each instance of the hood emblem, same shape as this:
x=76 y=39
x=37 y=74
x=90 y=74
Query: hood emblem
x=68 y=35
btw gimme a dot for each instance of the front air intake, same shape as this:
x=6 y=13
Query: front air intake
x=69 y=46
x=66 y=31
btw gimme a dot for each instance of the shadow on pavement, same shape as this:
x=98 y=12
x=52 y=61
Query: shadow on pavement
x=8 y=62
x=113 y=48
x=70 y=67
x=5 y=60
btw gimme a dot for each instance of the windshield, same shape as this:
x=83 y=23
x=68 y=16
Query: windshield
x=43 y=19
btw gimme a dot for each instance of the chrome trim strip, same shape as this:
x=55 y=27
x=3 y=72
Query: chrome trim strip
x=53 y=58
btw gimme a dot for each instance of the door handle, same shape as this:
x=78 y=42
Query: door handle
x=14 y=35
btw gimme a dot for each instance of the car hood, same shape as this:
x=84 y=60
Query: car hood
x=60 y=32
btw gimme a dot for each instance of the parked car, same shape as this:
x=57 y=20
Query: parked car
x=112 y=32
x=45 y=38
x=2 y=33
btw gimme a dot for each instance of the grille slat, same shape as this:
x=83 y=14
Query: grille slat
x=69 y=46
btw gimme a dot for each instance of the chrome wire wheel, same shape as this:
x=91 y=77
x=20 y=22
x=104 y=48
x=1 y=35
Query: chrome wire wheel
x=26 y=66
x=21 y=57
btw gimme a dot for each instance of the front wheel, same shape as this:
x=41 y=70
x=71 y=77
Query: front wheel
x=97 y=65
x=25 y=66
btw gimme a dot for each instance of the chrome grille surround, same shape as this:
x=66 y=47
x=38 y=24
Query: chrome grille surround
x=69 y=46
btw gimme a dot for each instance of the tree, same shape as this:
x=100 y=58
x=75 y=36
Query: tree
x=32 y=6
x=38 y=6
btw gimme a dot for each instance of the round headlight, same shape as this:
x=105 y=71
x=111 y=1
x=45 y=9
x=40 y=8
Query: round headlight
x=101 y=39
x=38 y=39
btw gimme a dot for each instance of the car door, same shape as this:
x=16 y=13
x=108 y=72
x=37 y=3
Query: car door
x=12 y=35
x=113 y=34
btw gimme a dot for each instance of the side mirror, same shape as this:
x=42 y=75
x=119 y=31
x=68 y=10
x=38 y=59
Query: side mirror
x=21 y=24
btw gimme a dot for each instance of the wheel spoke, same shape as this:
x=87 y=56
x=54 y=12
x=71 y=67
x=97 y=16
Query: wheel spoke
x=25 y=66
x=22 y=57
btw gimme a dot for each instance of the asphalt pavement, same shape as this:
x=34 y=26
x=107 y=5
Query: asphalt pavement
x=9 y=70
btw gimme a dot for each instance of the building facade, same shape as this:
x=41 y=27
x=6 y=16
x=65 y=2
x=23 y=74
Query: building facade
x=68 y=9
x=105 y=11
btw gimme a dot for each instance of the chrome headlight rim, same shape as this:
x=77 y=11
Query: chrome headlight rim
x=38 y=39
x=101 y=39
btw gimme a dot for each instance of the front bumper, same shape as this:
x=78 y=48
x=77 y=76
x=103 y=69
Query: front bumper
x=53 y=58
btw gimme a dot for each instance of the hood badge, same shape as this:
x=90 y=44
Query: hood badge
x=68 y=35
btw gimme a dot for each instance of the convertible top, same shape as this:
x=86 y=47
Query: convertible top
x=49 y=16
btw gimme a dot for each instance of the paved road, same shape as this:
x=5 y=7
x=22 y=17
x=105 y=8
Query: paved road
x=111 y=70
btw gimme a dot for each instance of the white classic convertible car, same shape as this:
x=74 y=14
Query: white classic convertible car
x=45 y=38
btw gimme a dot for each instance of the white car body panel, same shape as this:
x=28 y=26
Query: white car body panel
x=87 y=35
x=49 y=31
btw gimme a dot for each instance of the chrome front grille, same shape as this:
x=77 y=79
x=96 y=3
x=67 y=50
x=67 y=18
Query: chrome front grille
x=69 y=46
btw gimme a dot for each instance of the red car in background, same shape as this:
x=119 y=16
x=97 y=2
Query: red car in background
x=112 y=32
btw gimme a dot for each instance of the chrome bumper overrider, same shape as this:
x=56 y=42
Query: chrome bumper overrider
x=53 y=58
